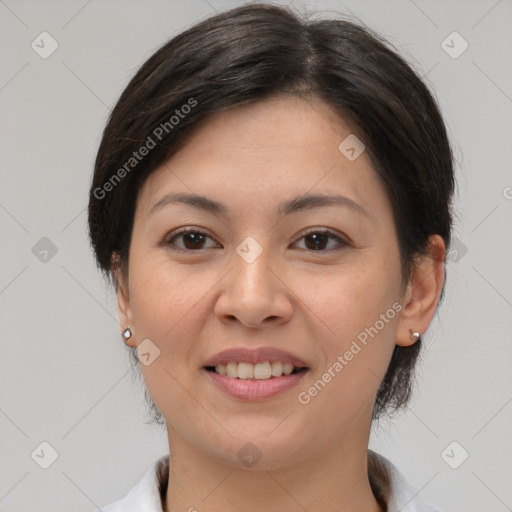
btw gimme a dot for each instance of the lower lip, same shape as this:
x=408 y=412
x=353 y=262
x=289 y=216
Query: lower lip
x=253 y=390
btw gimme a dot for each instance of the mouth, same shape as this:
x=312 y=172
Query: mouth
x=255 y=374
x=266 y=370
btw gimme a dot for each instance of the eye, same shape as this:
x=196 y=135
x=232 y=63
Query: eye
x=318 y=240
x=193 y=239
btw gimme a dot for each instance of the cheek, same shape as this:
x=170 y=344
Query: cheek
x=356 y=310
x=162 y=295
x=347 y=298
x=166 y=306
x=357 y=352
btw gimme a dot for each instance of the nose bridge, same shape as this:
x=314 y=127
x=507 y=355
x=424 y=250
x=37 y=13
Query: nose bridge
x=253 y=293
x=251 y=274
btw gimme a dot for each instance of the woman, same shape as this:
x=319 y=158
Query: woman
x=271 y=198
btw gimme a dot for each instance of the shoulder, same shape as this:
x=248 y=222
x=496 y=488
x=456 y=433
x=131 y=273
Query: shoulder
x=147 y=495
x=399 y=495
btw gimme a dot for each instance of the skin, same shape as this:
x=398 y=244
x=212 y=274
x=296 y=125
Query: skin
x=194 y=304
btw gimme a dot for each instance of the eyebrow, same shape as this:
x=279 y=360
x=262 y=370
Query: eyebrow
x=300 y=203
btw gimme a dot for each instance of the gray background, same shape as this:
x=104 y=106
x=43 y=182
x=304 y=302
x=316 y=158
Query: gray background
x=64 y=371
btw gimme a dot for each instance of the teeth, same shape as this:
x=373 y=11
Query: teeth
x=276 y=368
x=221 y=368
x=258 y=371
x=246 y=371
x=287 y=368
x=232 y=370
x=262 y=371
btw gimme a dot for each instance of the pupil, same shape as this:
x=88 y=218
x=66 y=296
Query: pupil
x=196 y=238
x=319 y=241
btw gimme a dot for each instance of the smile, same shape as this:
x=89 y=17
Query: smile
x=259 y=371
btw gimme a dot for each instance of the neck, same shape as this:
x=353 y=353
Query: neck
x=334 y=480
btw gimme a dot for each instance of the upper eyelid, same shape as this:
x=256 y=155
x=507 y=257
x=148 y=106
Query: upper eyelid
x=186 y=230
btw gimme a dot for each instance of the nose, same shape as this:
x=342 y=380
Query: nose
x=254 y=294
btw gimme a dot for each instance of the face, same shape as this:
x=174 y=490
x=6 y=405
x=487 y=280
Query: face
x=268 y=274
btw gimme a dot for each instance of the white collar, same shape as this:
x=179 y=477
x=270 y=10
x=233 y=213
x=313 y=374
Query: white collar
x=145 y=496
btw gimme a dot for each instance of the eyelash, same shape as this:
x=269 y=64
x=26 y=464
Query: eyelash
x=169 y=240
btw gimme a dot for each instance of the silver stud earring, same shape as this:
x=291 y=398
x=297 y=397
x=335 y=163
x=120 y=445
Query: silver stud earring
x=414 y=335
x=127 y=333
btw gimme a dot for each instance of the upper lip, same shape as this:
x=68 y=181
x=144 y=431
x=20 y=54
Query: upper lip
x=259 y=355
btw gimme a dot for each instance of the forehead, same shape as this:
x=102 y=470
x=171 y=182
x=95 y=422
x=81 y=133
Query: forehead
x=270 y=150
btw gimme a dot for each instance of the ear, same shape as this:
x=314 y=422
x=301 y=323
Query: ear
x=124 y=311
x=423 y=292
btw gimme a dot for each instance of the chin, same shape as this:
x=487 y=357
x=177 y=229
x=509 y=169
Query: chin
x=257 y=451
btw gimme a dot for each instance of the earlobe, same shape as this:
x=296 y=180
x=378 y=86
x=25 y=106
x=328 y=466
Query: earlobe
x=125 y=317
x=415 y=336
x=422 y=295
x=124 y=308
x=127 y=333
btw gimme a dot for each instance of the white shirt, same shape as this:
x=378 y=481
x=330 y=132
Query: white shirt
x=145 y=496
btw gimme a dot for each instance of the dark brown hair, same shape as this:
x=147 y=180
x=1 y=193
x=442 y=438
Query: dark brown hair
x=250 y=53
